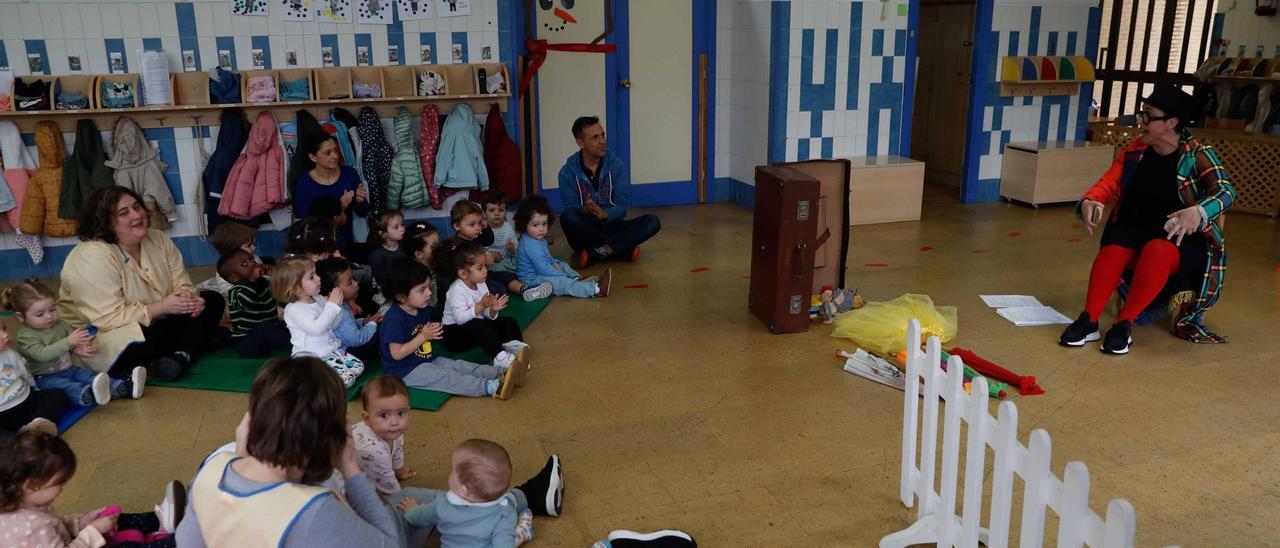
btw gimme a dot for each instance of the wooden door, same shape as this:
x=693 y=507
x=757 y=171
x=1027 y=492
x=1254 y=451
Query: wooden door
x=939 y=118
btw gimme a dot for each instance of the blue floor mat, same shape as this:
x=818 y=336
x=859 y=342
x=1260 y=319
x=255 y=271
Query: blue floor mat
x=71 y=416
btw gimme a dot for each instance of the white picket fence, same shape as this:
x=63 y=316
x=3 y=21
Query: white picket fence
x=937 y=521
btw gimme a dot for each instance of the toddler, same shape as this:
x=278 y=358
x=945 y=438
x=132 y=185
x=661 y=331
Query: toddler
x=312 y=320
x=22 y=406
x=34 y=467
x=405 y=344
x=255 y=315
x=314 y=238
x=478 y=509
x=534 y=263
x=47 y=342
x=228 y=237
x=467 y=219
x=385 y=234
x=503 y=249
x=471 y=312
x=420 y=244
x=356 y=335
x=379 y=437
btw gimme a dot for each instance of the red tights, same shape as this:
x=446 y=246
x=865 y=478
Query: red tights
x=1151 y=269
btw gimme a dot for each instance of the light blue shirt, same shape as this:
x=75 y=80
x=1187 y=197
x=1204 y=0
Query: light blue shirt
x=350 y=332
x=534 y=260
x=465 y=524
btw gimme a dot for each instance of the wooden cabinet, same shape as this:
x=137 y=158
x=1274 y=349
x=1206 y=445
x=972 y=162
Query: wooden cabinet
x=885 y=189
x=1051 y=172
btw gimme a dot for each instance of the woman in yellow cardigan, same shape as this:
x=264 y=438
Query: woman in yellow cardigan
x=129 y=281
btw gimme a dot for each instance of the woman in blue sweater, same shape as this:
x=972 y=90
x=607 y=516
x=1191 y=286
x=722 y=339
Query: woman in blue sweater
x=534 y=263
x=330 y=178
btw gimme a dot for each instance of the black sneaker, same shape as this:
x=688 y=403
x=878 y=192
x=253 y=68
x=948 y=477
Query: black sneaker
x=1119 y=337
x=167 y=368
x=668 y=538
x=545 y=491
x=1080 y=332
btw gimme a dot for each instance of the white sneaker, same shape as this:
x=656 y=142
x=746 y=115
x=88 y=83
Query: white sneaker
x=513 y=346
x=139 y=379
x=541 y=291
x=170 y=510
x=101 y=388
x=504 y=360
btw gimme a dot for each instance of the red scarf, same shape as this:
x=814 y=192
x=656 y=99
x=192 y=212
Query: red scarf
x=538 y=54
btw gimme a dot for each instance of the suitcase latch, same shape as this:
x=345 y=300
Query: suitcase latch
x=794 y=308
x=802 y=210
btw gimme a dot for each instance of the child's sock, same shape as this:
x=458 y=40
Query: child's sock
x=491 y=386
x=121 y=389
x=524 y=527
x=513 y=346
x=86 y=396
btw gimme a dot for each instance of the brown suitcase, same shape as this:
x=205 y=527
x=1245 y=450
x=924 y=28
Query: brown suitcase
x=782 y=248
x=830 y=259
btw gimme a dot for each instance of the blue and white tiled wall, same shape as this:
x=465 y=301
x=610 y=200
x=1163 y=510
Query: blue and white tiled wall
x=807 y=79
x=93 y=30
x=1026 y=29
x=1250 y=35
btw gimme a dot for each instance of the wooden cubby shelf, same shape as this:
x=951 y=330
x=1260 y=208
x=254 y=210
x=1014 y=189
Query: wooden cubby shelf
x=193 y=106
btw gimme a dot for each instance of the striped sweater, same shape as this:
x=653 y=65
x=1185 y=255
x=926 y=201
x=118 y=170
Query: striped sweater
x=249 y=304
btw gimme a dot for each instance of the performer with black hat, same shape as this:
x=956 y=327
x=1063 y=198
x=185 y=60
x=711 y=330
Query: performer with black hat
x=1162 y=241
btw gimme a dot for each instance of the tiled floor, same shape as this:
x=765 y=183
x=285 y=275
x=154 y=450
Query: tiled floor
x=673 y=407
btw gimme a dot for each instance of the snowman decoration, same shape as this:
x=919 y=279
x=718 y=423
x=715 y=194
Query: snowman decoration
x=562 y=10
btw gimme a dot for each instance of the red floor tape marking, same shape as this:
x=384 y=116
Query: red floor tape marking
x=636 y=286
x=1074 y=240
x=701 y=269
x=980 y=251
x=926 y=248
x=877 y=265
x=1014 y=234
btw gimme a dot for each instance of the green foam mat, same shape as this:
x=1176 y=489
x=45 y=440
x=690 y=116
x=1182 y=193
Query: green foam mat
x=224 y=370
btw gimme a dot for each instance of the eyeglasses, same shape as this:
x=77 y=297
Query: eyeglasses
x=1145 y=117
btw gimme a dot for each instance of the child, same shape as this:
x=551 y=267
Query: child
x=34 y=467
x=47 y=343
x=405 y=344
x=503 y=248
x=420 y=244
x=228 y=237
x=311 y=320
x=467 y=219
x=314 y=238
x=385 y=232
x=22 y=405
x=379 y=437
x=356 y=336
x=255 y=315
x=478 y=509
x=535 y=263
x=471 y=312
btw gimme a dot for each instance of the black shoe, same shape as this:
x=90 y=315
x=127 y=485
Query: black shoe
x=545 y=491
x=1080 y=331
x=668 y=538
x=167 y=368
x=1119 y=337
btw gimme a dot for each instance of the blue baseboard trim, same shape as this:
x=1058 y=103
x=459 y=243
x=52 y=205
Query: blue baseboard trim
x=663 y=194
x=728 y=189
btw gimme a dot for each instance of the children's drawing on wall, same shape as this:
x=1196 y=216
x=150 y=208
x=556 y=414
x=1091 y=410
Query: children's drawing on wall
x=249 y=7
x=35 y=62
x=259 y=59
x=115 y=62
x=224 y=59
x=486 y=53
x=393 y=55
x=362 y=56
x=188 y=60
x=295 y=10
x=73 y=62
x=454 y=8
x=424 y=54
x=291 y=57
x=333 y=11
x=326 y=56
x=373 y=11
x=457 y=54
x=414 y=9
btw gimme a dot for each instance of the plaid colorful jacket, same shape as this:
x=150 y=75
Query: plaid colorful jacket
x=1202 y=181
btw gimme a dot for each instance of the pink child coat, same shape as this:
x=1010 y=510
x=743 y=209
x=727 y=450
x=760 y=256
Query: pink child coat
x=256 y=182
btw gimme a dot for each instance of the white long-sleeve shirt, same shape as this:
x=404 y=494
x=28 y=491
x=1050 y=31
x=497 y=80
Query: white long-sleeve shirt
x=311 y=327
x=460 y=303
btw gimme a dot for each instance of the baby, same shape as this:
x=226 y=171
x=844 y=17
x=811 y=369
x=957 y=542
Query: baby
x=379 y=437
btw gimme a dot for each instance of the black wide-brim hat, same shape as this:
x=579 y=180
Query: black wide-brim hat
x=1171 y=100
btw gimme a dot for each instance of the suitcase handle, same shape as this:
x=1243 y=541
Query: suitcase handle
x=797 y=260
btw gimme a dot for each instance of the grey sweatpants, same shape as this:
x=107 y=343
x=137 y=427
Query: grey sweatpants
x=453 y=376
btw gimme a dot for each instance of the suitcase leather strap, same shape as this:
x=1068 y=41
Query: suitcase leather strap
x=798 y=261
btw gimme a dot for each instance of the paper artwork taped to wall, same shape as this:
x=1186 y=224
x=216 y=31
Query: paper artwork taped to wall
x=333 y=11
x=414 y=9
x=295 y=10
x=249 y=7
x=374 y=11
x=454 y=8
